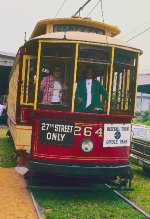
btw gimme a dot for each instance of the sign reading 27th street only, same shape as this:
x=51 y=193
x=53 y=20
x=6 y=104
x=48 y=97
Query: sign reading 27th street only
x=117 y=135
x=56 y=133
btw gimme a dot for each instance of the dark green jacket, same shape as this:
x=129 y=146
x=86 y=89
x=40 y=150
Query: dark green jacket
x=96 y=90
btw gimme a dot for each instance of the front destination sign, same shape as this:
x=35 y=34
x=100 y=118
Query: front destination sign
x=56 y=133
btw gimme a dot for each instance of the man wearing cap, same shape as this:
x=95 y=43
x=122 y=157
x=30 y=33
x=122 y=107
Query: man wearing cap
x=52 y=88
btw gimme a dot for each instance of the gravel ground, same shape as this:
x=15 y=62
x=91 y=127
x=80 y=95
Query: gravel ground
x=15 y=200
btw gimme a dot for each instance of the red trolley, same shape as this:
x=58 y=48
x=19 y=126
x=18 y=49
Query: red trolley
x=61 y=140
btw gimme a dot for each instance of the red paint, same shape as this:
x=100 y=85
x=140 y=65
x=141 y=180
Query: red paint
x=74 y=153
x=26 y=113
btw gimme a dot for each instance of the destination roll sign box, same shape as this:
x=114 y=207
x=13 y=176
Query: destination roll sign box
x=117 y=135
x=79 y=28
x=56 y=133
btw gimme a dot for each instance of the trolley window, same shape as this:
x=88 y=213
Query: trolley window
x=99 y=59
x=123 y=86
x=56 y=76
x=28 y=80
x=29 y=69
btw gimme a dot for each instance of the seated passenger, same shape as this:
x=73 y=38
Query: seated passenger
x=87 y=96
x=52 y=88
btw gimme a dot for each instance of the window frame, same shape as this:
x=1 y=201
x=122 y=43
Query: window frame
x=133 y=69
x=23 y=80
x=52 y=107
x=75 y=59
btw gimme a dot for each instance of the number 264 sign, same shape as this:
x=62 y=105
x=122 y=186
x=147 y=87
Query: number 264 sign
x=87 y=131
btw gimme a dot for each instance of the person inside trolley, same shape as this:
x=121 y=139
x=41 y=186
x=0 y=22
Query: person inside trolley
x=87 y=96
x=52 y=88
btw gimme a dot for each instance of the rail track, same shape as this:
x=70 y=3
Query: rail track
x=36 y=206
x=136 y=207
x=69 y=188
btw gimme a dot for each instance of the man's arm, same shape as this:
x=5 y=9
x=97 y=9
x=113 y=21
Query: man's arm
x=103 y=91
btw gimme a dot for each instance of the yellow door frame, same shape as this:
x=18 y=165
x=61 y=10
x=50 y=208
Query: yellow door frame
x=110 y=79
x=37 y=76
x=25 y=58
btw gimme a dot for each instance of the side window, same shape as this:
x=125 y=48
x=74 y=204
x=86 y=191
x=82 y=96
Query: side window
x=28 y=80
x=123 y=86
x=32 y=80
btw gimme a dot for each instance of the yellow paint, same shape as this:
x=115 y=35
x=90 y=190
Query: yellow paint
x=123 y=88
x=110 y=80
x=27 y=90
x=21 y=135
x=25 y=59
x=23 y=76
x=56 y=41
x=49 y=28
x=136 y=83
x=127 y=89
x=37 y=76
x=75 y=74
x=49 y=23
x=12 y=129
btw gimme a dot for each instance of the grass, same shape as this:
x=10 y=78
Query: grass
x=84 y=205
x=96 y=204
x=6 y=150
x=141 y=186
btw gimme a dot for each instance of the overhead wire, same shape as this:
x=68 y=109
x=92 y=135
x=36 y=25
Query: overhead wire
x=93 y=8
x=60 y=8
x=133 y=30
x=138 y=34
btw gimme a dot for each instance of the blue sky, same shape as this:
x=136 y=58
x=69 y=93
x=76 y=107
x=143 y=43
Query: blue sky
x=18 y=16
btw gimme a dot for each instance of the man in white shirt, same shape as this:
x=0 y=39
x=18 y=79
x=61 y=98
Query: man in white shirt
x=87 y=97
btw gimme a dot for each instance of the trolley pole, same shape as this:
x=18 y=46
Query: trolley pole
x=81 y=8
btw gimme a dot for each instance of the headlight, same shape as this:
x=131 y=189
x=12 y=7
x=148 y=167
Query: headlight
x=87 y=145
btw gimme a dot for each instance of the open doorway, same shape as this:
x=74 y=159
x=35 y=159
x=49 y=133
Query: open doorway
x=4 y=83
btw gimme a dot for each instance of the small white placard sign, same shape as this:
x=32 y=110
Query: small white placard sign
x=117 y=135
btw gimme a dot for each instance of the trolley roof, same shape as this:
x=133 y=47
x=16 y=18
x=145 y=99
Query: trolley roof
x=46 y=26
x=87 y=37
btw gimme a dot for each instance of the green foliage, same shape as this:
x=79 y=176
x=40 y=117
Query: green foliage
x=138 y=113
x=6 y=150
x=142 y=118
x=147 y=123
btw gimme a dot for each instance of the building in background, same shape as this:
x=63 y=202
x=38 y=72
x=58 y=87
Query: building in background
x=143 y=95
x=6 y=62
